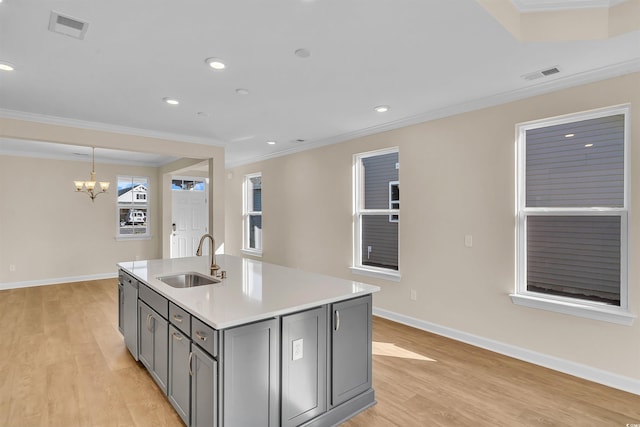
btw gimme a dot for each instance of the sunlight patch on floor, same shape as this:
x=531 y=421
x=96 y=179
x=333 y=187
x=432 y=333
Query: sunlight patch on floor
x=390 y=349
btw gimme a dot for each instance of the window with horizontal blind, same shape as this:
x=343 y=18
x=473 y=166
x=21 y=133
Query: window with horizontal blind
x=572 y=209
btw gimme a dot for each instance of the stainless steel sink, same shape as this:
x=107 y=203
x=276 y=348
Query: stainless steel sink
x=188 y=280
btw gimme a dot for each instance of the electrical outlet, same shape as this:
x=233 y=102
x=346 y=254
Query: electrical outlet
x=297 y=349
x=12 y=267
x=414 y=295
x=468 y=240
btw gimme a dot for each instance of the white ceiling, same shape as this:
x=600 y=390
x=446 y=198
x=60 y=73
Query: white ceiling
x=424 y=58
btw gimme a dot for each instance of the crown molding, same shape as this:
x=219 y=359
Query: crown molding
x=525 y=6
x=105 y=127
x=540 y=88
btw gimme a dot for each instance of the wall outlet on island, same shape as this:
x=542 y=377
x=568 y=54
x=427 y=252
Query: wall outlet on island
x=414 y=295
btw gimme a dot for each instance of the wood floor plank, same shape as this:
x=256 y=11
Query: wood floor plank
x=63 y=362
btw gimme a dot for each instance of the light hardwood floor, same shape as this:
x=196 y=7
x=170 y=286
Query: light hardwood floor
x=63 y=363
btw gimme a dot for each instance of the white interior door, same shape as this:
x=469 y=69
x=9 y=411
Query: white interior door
x=190 y=212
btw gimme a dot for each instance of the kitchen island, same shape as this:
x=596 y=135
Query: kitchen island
x=267 y=346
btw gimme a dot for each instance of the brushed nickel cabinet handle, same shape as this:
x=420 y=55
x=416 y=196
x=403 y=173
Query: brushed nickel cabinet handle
x=200 y=336
x=177 y=336
x=337 y=320
x=177 y=318
x=190 y=356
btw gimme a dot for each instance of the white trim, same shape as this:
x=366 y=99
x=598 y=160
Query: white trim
x=553 y=5
x=247 y=214
x=574 y=307
x=556 y=84
x=251 y=252
x=46 y=282
x=105 y=127
x=377 y=273
x=596 y=375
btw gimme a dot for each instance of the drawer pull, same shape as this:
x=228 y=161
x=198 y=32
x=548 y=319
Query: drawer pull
x=337 y=320
x=190 y=356
x=201 y=336
x=177 y=336
x=177 y=318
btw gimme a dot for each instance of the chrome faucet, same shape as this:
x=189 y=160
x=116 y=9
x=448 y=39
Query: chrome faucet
x=214 y=267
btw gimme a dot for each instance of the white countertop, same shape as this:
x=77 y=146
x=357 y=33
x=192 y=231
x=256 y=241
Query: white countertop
x=253 y=290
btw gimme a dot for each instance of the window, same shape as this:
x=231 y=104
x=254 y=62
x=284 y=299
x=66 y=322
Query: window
x=180 y=184
x=376 y=213
x=572 y=214
x=253 y=214
x=133 y=207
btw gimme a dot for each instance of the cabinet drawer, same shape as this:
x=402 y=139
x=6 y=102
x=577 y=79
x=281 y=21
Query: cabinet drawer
x=154 y=300
x=205 y=336
x=180 y=318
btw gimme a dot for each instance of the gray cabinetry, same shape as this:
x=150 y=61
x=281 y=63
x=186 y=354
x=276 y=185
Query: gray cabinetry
x=250 y=387
x=204 y=386
x=153 y=348
x=130 y=314
x=179 y=384
x=350 y=349
x=304 y=380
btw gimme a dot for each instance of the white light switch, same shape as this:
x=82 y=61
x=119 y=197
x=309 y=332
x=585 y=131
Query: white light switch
x=468 y=240
x=297 y=352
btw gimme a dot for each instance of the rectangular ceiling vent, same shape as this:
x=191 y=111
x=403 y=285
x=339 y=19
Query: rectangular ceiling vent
x=542 y=73
x=67 y=25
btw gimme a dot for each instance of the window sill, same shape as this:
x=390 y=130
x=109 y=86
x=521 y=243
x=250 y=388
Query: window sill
x=251 y=252
x=377 y=273
x=134 y=237
x=604 y=313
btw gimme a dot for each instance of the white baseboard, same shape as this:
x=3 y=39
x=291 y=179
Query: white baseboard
x=42 y=282
x=599 y=376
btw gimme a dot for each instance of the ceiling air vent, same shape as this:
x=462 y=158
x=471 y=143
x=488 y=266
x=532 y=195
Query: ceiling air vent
x=542 y=73
x=67 y=25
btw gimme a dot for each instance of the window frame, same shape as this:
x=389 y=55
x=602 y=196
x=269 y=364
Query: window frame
x=146 y=205
x=564 y=304
x=246 y=215
x=359 y=211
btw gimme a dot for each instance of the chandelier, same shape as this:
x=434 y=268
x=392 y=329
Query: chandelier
x=89 y=187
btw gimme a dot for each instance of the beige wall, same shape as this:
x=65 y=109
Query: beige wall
x=49 y=243
x=48 y=231
x=458 y=178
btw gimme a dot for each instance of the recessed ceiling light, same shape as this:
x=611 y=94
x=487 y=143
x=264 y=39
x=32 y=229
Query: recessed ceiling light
x=381 y=108
x=302 y=53
x=171 y=101
x=570 y=135
x=242 y=91
x=6 y=66
x=215 y=63
x=588 y=145
x=271 y=142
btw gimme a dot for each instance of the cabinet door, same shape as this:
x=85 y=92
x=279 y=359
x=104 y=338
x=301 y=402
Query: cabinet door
x=121 y=308
x=153 y=345
x=204 y=385
x=250 y=389
x=179 y=382
x=351 y=349
x=304 y=366
x=130 y=316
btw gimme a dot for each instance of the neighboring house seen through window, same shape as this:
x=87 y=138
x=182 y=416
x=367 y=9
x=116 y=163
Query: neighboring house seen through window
x=377 y=213
x=572 y=212
x=133 y=207
x=252 y=215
